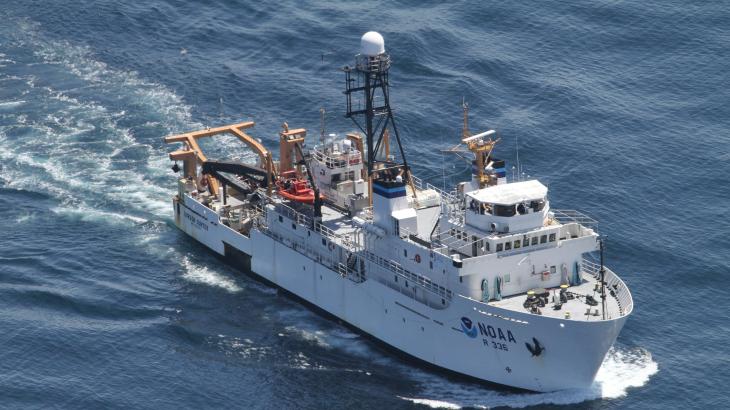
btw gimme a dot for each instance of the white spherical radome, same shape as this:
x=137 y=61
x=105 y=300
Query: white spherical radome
x=372 y=44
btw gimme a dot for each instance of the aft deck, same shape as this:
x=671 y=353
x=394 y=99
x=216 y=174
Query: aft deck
x=618 y=299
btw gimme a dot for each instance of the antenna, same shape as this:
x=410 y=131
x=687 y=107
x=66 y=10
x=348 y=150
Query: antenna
x=603 y=283
x=517 y=149
x=322 y=113
x=465 y=128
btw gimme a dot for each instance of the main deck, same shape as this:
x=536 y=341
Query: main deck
x=580 y=302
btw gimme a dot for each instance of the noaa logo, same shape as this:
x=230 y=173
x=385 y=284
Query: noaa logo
x=468 y=327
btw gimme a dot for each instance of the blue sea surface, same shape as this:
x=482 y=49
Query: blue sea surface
x=620 y=107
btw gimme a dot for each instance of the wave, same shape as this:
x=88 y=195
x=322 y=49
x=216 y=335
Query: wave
x=622 y=369
x=75 y=114
x=207 y=276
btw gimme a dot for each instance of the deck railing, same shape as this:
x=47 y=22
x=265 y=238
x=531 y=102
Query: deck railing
x=566 y=216
x=613 y=284
x=414 y=278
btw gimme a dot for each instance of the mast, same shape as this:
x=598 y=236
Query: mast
x=603 y=283
x=465 y=128
x=368 y=81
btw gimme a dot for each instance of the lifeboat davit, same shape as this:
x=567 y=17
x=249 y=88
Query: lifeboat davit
x=296 y=190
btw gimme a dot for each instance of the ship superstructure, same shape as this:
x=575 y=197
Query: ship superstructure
x=486 y=280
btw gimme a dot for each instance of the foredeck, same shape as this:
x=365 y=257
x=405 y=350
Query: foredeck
x=618 y=299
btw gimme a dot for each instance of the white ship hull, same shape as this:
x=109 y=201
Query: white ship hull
x=492 y=349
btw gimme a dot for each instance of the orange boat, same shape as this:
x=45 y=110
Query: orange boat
x=296 y=190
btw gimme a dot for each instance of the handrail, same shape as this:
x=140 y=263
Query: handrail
x=613 y=282
x=565 y=216
x=415 y=278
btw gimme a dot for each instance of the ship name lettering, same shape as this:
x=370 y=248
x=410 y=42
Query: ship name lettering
x=195 y=222
x=497 y=333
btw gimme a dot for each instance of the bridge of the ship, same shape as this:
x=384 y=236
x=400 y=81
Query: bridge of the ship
x=576 y=307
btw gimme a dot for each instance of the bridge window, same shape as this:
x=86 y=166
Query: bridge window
x=507 y=246
x=534 y=240
x=517 y=244
x=543 y=239
x=504 y=210
x=499 y=247
x=552 y=237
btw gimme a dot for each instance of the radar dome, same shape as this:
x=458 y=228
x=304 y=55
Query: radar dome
x=372 y=44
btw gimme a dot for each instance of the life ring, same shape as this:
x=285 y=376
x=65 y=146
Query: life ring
x=417 y=258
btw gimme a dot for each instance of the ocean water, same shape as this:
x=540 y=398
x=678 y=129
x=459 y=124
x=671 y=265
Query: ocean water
x=620 y=107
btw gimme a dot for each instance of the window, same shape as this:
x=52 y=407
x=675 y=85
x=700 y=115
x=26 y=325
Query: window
x=525 y=241
x=430 y=264
x=281 y=218
x=396 y=226
x=504 y=210
x=534 y=240
x=405 y=253
x=552 y=270
x=395 y=277
x=552 y=237
x=517 y=244
x=324 y=242
x=507 y=246
x=486 y=246
x=537 y=206
x=499 y=247
x=294 y=226
x=506 y=278
x=543 y=239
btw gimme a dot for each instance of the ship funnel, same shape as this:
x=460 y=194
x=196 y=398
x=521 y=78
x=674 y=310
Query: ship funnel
x=372 y=44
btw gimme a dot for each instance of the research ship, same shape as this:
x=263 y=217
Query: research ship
x=485 y=280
